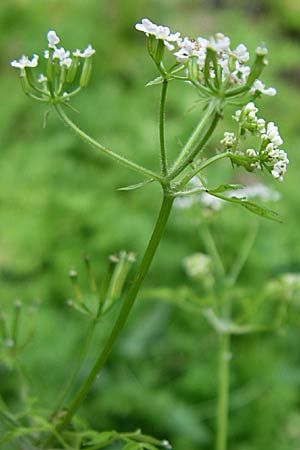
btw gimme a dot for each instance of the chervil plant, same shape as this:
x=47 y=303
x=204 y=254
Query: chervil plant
x=221 y=76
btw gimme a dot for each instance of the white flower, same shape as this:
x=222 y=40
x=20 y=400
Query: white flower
x=273 y=134
x=261 y=125
x=187 y=49
x=278 y=171
x=61 y=53
x=159 y=31
x=241 y=52
x=197 y=265
x=220 y=43
x=250 y=108
x=63 y=56
x=279 y=168
x=53 y=39
x=251 y=153
x=261 y=50
x=236 y=116
x=87 y=53
x=229 y=139
x=24 y=61
x=66 y=62
x=240 y=74
x=259 y=86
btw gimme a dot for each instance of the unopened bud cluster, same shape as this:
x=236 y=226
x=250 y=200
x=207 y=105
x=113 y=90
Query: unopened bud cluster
x=269 y=155
x=64 y=72
x=211 y=64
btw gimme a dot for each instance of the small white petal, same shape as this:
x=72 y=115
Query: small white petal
x=53 y=39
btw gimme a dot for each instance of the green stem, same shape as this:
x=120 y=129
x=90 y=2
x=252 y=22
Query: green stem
x=201 y=167
x=125 y=309
x=78 y=365
x=197 y=140
x=107 y=151
x=213 y=251
x=243 y=255
x=163 y=154
x=223 y=392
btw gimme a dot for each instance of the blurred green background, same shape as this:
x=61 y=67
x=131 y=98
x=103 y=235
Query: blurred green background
x=59 y=199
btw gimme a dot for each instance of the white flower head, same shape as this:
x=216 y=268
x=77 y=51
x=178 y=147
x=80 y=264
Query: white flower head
x=197 y=264
x=87 y=53
x=159 y=31
x=53 y=39
x=24 y=61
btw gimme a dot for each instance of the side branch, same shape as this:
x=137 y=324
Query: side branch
x=126 y=162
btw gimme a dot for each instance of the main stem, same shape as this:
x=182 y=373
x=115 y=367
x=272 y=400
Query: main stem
x=223 y=392
x=125 y=309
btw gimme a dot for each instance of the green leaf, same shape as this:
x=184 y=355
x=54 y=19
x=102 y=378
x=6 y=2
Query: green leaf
x=253 y=207
x=225 y=187
x=131 y=445
x=148 y=446
x=226 y=326
x=104 y=438
x=156 y=81
x=132 y=187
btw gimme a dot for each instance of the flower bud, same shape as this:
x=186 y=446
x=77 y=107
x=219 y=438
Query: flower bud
x=193 y=68
x=72 y=72
x=86 y=72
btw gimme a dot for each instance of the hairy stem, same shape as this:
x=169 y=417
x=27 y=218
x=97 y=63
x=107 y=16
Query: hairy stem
x=197 y=140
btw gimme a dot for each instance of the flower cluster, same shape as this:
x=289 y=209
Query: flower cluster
x=269 y=154
x=63 y=68
x=199 y=267
x=285 y=287
x=159 y=32
x=211 y=63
